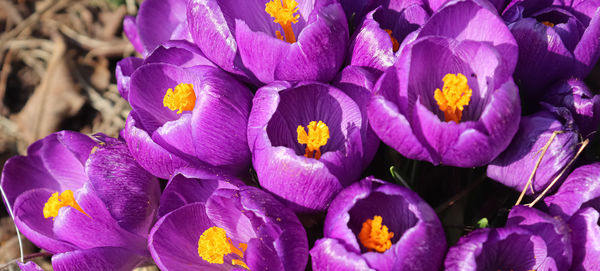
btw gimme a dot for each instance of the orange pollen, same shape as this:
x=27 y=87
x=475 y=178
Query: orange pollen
x=395 y=43
x=548 y=23
x=182 y=99
x=55 y=202
x=455 y=95
x=318 y=134
x=374 y=236
x=214 y=245
x=283 y=11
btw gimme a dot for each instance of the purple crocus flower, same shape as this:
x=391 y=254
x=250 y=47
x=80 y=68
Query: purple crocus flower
x=177 y=52
x=210 y=224
x=531 y=240
x=70 y=189
x=315 y=164
x=272 y=40
x=373 y=225
x=376 y=41
x=514 y=166
x=187 y=117
x=557 y=40
x=583 y=105
x=157 y=21
x=578 y=201
x=450 y=98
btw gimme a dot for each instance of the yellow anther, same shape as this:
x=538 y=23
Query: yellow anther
x=318 y=134
x=55 y=202
x=455 y=96
x=548 y=23
x=214 y=245
x=182 y=99
x=374 y=236
x=395 y=43
x=283 y=12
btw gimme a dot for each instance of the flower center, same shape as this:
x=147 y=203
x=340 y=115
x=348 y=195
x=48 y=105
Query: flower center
x=374 y=236
x=283 y=12
x=214 y=244
x=395 y=43
x=318 y=134
x=55 y=202
x=182 y=99
x=455 y=95
x=548 y=23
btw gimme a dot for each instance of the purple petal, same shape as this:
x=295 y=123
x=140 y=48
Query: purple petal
x=29 y=266
x=151 y=156
x=587 y=51
x=176 y=136
x=371 y=46
x=185 y=188
x=554 y=231
x=173 y=241
x=514 y=166
x=131 y=32
x=586 y=239
x=224 y=209
x=160 y=21
x=582 y=185
x=98 y=258
x=260 y=256
x=29 y=218
x=75 y=227
x=320 y=50
x=219 y=122
x=125 y=68
x=178 y=52
x=330 y=254
x=129 y=192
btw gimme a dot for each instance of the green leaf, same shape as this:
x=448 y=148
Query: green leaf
x=482 y=223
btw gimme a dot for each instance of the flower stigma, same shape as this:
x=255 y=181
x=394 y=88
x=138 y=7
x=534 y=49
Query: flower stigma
x=318 y=134
x=547 y=23
x=283 y=12
x=395 y=43
x=56 y=201
x=374 y=236
x=182 y=99
x=214 y=245
x=455 y=95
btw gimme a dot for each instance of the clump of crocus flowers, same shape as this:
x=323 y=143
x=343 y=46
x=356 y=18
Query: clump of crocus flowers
x=263 y=120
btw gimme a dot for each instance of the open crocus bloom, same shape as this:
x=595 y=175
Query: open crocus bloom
x=70 y=189
x=373 y=225
x=557 y=40
x=307 y=141
x=514 y=166
x=376 y=41
x=450 y=98
x=531 y=240
x=578 y=202
x=271 y=40
x=157 y=21
x=187 y=117
x=211 y=224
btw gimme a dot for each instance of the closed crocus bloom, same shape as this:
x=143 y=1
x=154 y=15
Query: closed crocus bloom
x=514 y=166
x=157 y=21
x=272 y=40
x=531 y=240
x=449 y=98
x=583 y=105
x=373 y=225
x=187 y=117
x=557 y=40
x=70 y=189
x=307 y=141
x=376 y=41
x=177 y=52
x=578 y=201
x=211 y=224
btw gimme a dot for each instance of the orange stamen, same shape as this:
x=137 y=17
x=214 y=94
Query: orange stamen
x=455 y=95
x=283 y=12
x=318 y=134
x=374 y=236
